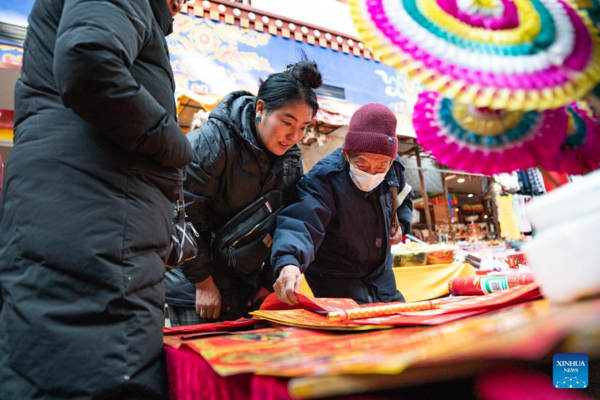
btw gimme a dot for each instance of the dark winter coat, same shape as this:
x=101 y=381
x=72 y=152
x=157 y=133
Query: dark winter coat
x=87 y=203
x=340 y=235
x=230 y=170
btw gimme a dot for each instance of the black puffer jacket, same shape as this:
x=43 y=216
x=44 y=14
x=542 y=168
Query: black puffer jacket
x=87 y=203
x=229 y=171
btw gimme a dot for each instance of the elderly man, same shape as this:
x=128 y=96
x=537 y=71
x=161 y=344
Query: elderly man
x=340 y=230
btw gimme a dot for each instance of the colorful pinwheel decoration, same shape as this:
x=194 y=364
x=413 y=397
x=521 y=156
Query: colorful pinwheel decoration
x=503 y=70
x=580 y=151
x=487 y=141
x=502 y=54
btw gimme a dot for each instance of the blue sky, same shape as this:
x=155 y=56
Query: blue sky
x=15 y=11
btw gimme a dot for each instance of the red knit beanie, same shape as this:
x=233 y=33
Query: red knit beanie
x=372 y=130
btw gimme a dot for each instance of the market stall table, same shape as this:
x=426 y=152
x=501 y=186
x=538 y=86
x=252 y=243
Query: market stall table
x=432 y=280
x=285 y=362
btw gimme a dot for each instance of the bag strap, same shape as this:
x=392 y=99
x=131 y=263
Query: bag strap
x=181 y=203
x=397 y=200
x=180 y=208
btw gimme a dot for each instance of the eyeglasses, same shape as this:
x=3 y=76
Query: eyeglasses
x=379 y=168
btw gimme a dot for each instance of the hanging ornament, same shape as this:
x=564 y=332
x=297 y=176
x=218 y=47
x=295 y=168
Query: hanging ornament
x=517 y=55
x=487 y=141
x=580 y=151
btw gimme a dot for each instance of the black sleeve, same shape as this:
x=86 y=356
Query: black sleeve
x=301 y=226
x=201 y=186
x=290 y=196
x=97 y=43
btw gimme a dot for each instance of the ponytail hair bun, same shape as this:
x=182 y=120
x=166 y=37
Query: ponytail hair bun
x=297 y=83
x=307 y=72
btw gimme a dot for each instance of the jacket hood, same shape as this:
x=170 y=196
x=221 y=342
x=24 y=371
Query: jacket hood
x=162 y=15
x=237 y=111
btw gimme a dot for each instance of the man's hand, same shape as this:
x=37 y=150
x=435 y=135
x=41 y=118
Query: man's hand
x=289 y=281
x=208 y=299
x=395 y=236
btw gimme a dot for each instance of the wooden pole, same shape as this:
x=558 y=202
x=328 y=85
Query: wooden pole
x=424 y=193
x=494 y=209
x=447 y=201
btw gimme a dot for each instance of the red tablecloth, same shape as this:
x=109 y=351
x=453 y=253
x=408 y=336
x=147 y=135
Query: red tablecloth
x=192 y=378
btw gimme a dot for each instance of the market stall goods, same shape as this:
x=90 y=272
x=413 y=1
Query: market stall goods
x=479 y=285
x=256 y=364
x=410 y=254
x=440 y=312
x=564 y=253
x=311 y=320
x=309 y=303
x=383 y=310
x=516 y=260
x=441 y=254
x=188 y=331
x=413 y=259
x=413 y=254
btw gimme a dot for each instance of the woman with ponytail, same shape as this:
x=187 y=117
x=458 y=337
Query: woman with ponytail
x=247 y=147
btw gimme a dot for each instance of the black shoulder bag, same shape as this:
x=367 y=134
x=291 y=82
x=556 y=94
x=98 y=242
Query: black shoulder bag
x=244 y=242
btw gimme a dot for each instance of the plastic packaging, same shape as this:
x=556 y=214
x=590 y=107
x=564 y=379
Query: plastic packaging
x=566 y=203
x=410 y=254
x=410 y=259
x=415 y=255
x=481 y=285
x=565 y=252
x=565 y=259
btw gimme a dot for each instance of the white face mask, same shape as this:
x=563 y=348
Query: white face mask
x=364 y=180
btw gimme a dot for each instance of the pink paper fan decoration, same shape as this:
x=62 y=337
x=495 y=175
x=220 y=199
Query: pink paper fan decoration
x=583 y=157
x=535 y=137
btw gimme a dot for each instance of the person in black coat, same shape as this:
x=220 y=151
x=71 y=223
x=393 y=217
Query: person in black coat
x=87 y=207
x=339 y=231
x=246 y=148
x=1 y=179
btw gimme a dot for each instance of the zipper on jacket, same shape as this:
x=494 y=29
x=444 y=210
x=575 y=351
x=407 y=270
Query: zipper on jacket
x=231 y=256
x=193 y=229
